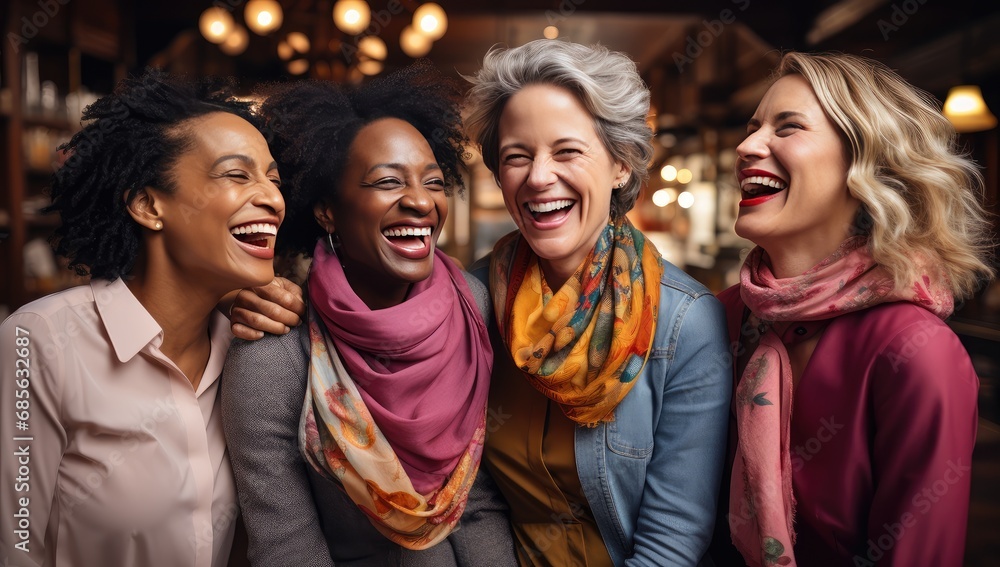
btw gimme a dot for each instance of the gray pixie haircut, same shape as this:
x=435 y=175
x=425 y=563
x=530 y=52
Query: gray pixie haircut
x=606 y=82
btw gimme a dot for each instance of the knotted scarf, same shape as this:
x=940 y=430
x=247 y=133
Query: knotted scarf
x=395 y=408
x=762 y=504
x=583 y=345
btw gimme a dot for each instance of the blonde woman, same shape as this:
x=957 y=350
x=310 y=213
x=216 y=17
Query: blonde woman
x=855 y=403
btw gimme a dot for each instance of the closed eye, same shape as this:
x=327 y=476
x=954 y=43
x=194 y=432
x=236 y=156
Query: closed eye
x=384 y=183
x=789 y=126
x=436 y=183
x=516 y=159
x=241 y=175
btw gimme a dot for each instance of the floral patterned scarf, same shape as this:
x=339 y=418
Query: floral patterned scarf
x=395 y=408
x=583 y=345
x=762 y=504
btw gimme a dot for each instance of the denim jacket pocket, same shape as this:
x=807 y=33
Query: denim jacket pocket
x=628 y=436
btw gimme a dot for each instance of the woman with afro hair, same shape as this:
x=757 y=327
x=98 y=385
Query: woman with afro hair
x=356 y=439
x=169 y=201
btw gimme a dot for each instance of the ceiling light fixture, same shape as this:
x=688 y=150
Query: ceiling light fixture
x=263 y=16
x=351 y=16
x=298 y=41
x=430 y=20
x=414 y=43
x=215 y=24
x=967 y=111
x=237 y=41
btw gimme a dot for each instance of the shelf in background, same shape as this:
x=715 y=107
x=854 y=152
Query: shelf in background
x=53 y=122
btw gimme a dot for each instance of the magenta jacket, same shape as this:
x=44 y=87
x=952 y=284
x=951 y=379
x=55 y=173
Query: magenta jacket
x=884 y=423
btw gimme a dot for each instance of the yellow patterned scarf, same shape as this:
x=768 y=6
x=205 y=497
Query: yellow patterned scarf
x=583 y=345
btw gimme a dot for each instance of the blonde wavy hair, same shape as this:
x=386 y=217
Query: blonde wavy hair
x=920 y=195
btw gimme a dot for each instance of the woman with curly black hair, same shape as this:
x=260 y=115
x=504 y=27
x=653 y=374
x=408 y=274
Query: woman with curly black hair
x=169 y=200
x=356 y=439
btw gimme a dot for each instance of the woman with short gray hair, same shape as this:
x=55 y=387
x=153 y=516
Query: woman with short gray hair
x=611 y=382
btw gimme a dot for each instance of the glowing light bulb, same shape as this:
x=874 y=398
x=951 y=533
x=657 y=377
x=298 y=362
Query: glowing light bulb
x=215 y=24
x=263 y=16
x=668 y=173
x=430 y=20
x=685 y=200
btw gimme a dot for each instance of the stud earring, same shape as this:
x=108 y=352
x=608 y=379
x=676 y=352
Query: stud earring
x=158 y=225
x=621 y=185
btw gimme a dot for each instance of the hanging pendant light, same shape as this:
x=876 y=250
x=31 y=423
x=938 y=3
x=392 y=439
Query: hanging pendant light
x=430 y=20
x=237 y=41
x=351 y=16
x=215 y=24
x=298 y=41
x=371 y=47
x=414 y=43
x=263 y=16
x=967 y=110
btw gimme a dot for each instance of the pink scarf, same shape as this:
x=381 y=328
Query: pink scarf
x=422 y=367
x=762 y=504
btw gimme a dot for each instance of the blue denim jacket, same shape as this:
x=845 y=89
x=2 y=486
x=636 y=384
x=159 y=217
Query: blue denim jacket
x=652 y=475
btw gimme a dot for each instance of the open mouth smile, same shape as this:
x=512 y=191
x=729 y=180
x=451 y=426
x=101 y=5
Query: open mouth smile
x=759 y=187
x=549 y=212
x=410 y=241
x=256 y=238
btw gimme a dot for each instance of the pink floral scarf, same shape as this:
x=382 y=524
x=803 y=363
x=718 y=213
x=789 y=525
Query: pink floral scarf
x=395 y=408
x=762 y=504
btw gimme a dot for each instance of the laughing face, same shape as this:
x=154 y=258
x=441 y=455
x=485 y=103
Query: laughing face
x=219 y=223
x=388 y=211
x=792 y=170
x=556 y=175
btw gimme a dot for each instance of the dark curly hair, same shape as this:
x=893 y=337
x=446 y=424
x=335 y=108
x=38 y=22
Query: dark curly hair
x=132 y=141
x=310 y=127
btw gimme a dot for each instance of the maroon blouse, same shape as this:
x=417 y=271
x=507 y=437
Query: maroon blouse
x=883 y=427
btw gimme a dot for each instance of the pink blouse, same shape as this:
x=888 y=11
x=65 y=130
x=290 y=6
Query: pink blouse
x=110 y=456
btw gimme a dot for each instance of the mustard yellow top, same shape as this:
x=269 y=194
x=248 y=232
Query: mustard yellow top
x=530 y=453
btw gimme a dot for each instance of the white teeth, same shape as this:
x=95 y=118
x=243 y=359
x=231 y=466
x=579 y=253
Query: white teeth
x=256 y=228
x=550 y=206
x=765 y=181
x=407 y=231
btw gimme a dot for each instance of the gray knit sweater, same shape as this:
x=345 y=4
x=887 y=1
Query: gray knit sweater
x=296 y=517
